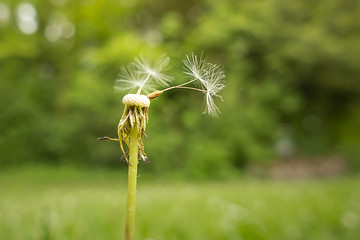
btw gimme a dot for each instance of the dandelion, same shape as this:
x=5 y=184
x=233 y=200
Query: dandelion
x=145 y=75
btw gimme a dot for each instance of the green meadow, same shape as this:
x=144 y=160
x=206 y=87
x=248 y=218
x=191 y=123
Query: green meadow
x=65 y=204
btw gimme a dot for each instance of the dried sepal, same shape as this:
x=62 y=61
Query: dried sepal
x=134 y=118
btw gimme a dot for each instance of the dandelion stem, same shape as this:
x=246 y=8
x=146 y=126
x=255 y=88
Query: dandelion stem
x=132 y=175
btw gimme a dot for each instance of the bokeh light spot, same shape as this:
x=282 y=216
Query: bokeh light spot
x=4 y=14
x=26 y=18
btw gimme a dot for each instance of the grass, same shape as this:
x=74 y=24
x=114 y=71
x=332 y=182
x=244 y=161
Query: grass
x=63 y=204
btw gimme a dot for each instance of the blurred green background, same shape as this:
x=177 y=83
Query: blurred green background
x=290 y=110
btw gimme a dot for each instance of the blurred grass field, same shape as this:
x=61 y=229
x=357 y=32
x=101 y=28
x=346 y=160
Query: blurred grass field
x=46 y=204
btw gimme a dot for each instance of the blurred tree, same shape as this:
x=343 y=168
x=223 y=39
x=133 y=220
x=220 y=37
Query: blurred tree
x=292 y=80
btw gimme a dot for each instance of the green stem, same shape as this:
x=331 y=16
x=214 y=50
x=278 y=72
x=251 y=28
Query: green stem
x=132 y=176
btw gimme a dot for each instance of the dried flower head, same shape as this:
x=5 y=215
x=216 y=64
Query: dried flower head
x=134 y=118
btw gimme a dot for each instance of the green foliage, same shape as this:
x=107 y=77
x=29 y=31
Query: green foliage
x=67 y=204
x=292 y=73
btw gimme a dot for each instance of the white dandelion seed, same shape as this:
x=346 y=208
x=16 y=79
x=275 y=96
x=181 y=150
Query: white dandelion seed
x=153 y=71
x=129 y=79
x=213 y=85
x=144 y=75
x=209 y=76
x=194 y=66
